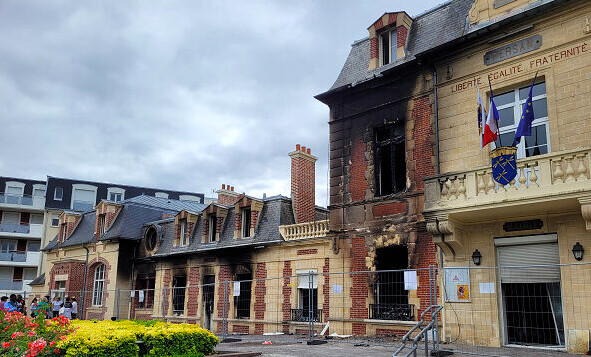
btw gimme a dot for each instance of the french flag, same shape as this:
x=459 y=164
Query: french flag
x=491 y=127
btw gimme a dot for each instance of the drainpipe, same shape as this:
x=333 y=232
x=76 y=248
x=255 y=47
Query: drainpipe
x=83 y=292
x=436 y=113
x=131 y=279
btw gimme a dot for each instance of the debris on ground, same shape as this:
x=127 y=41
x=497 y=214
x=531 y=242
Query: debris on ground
x=267 y=343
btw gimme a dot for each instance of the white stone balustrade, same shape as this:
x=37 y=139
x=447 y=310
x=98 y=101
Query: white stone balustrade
x=538 y=176
x=316 y=229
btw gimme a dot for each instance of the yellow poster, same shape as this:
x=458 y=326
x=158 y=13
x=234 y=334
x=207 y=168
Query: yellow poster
x=463 y=292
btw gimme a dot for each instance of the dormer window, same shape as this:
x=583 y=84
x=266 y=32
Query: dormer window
x=64 y=232
x=102 y=225
x=246 y=222
x=183 y=236
x=212 y=222
x=388 y=44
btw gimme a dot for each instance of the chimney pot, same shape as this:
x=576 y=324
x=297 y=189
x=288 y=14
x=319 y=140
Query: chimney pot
x=232 y=189
x=303 y=148
x=297 y=147
x=308 y=151
x=223 y=186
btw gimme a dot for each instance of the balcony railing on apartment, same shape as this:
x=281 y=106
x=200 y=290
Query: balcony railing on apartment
x=554 y=174
x=304 y=315
x=10 y=285
x=22 y=200
x=316 y=229
x=15 y=256
x=399 y=312
x=33 y=230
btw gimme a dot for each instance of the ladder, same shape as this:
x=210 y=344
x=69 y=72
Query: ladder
x=434 y=310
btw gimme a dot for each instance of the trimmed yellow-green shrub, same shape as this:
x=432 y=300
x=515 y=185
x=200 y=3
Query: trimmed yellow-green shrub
x=118 y=338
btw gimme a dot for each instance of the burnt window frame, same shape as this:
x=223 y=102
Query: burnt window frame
x=246 y=215
x=151 y=240
x=212 y=222
x=243 y=302
x=389 y=146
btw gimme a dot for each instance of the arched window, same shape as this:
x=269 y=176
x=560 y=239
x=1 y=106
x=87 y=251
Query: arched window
x=99 y=285
x=151 y=239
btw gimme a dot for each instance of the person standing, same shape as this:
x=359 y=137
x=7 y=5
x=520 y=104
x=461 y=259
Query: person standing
x=74 y=308
x=44 y=308
x=2 y=301
x=57 y=305
x=34 y=307
x=67 y=308
x=11 y=305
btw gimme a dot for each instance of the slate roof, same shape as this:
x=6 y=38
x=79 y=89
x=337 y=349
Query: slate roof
x=167 y=203
x=276 y=211
x=439 y=26
x=40 y=280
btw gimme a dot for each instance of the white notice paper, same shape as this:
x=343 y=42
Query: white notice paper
x=132 y=294
x=410 y=280
x=487 y=288
x=236 y=288
x=141 y=295
x=338 y=289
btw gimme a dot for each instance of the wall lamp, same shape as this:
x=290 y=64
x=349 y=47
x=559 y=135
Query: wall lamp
x=477 y=257
x=578 y=251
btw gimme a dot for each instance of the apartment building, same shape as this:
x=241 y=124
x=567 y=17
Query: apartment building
x=22 y=204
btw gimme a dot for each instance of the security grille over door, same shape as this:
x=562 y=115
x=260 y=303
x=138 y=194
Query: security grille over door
x=530 y=284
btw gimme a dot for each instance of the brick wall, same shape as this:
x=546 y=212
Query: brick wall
x=326 y=289
x=359 y=291
x=225 y=274
x=286 y=305
x=401 y=34
x=388 y=209
x=423 y=153
x=307 y=251
x=92 y=265
x=260 y=290
x=427 y=253
x=193 y=291
x=358 y=183
x=167 y=284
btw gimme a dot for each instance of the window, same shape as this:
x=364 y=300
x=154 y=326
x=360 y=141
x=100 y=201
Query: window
x=390 y=159
x=55 y=220
x=33 y=247
x=146 y=286
x=242 y=295
x=29 y=274
x=58 y=194
x=115 y=194
x=39 y=191
x=190 y=198
x=11 y=218
x=7 y=246
x=14 y=192
x=307 y=296
x=388 y=44
x=161 y=194
x=246 y=221
x=178 y=294
x=184 y=235
x=151 y=239
x=36 y=219
x=83 y=197
x=99 y=285
x=64 y=232
x=60 y=289
x=510 y=105
x=102 y=224
x=212 y=228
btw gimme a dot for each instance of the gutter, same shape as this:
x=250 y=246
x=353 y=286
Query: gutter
x=83 y=297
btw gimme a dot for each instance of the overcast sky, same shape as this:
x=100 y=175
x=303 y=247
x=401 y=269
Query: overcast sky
x=182 y=95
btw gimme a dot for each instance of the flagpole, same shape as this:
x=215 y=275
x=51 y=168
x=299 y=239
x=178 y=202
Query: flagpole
x=491 y=101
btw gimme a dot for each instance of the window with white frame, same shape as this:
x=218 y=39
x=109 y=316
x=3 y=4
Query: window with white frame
x=307 y=295
x=509 y=105
x=55 y=220
x=58 y=194
x=388 y=44
x=183 y=235
x=36 y=219
x=161 y=194
x=98 y=286
x=11 y=218
x=102 y=224
x=14 y=192
x=39 y=190
x=83 y=197
x=115 y=194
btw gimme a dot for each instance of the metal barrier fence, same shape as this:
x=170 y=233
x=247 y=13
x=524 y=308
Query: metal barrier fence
x=484 y=308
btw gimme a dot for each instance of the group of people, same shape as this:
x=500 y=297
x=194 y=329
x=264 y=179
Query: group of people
x=56 y=308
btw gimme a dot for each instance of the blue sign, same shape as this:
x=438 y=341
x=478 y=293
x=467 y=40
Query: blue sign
x=504 y=164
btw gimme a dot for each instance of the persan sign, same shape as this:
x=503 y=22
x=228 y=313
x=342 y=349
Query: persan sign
x=513 y=50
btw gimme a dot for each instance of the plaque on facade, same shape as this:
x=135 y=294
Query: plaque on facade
x=513 y=50
x=523 y=225
x=500 y=3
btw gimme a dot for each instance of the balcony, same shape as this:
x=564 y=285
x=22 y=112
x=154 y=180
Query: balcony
x=21 y=230
x=399 y=312
x=555 y=181
x=316 y=229
x=29 y=202
x=303 y=315
x=19 y=258
x=11 y=285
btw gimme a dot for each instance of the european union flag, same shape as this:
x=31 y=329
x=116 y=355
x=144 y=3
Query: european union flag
x=527 y=117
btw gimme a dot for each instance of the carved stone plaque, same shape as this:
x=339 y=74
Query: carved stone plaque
x=513 y=50
x=523 y=225
x=499 y=3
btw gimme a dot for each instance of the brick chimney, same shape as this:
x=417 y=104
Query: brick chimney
x=303 y=179
x=226 y=195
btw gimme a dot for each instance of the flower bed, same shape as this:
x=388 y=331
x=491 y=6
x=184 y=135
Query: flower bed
x=25 y=337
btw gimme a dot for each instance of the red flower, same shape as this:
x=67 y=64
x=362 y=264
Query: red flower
x=5 y=344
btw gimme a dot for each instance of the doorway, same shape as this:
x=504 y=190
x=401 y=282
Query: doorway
x=208 y=299
x=531 y=298
x=391 y=299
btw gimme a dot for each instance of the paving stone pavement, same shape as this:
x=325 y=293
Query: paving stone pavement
x=295 y=346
